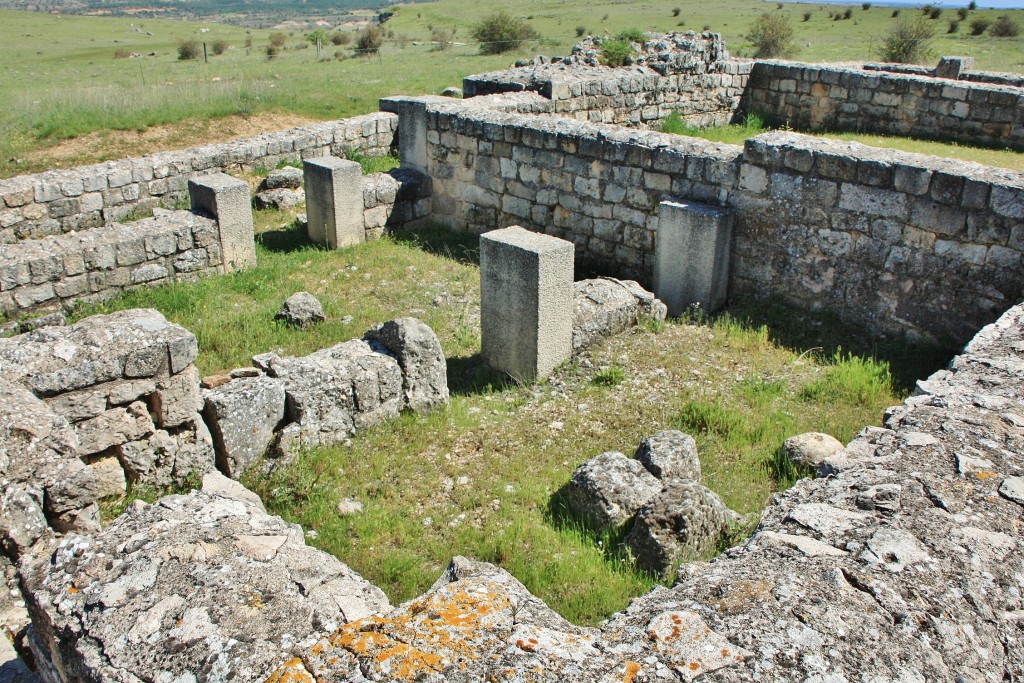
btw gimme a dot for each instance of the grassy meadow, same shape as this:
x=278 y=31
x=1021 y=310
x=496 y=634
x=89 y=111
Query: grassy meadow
x=481 y=477
x=60 y=80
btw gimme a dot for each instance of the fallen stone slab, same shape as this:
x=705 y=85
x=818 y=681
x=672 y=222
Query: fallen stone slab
x=278 y=199
x=204 y=586
x=419 y=353
x=605 y=307
x=288 y=177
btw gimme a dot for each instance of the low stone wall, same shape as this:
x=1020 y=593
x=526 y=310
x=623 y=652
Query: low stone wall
x=818 y=97
x=896 y=241
x=55 y=202
x=635 y=96
x=397 y=199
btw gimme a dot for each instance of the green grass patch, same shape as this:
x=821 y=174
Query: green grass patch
x=481 y=477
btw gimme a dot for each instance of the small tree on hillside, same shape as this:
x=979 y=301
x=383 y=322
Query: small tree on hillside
x=502 y=32
x=909 y=41
x=772 y=36
x=369 y=40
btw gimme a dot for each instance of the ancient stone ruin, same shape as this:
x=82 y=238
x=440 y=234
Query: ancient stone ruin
x=900 y=561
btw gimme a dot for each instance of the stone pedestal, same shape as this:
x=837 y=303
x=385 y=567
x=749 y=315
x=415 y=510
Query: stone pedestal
x=526 y=302
x=227 y=199
x=953 y=67
x=691 y=256
x=334 y=201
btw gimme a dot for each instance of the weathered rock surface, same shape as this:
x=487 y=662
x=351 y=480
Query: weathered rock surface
x=242 y=416
x=604 y=307
x=203 y=587
x=419 y=353
x=683 y=522
x=301 y=309
x=670 y=455
x=278 y=199
x=607 y=491
x=288 y=177
x=811 y=450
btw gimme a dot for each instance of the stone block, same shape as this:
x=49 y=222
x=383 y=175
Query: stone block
x=691 y=256
x=242 y=416
x=953 y=67
x=177 y=398
x=227 y=199
x=526 y=302
x=334 y=201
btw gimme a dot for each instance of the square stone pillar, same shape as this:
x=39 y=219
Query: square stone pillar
x=953 y=67
x=227 y=199
x=526 y=302
x=691 y=256
x=334 y=201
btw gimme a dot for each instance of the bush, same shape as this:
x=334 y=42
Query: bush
x=219 y=46
x=502 y=32
x=369 y=40
x=188 y=49
x=980 y=25
x=122 y=53
x=316 y=35
x=962 y=13
x=772 y=36
x=895 y=13
x=616 y=52
x=340 y=38
x=632 y=35
x=676 y=11
x=272 y=51
x=248 y=41
x=865 y=6
x=935 y=13
x=954 y=26
x=848 y=13
x=807 y=16
x=441 y=39
x=278 y=39
x=1005 y=27
x=580 y=30
x=972 y=5
x=909 y=41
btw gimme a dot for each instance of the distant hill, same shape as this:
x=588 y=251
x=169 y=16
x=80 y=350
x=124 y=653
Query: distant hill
x=258 y=13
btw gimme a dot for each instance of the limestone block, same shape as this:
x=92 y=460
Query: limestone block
x=604 y=307
x=691 y=256
x=242 y=416
x=110 y=477
x=227 y=199
x=607 y=491
x=419 y=353
x=334 y=201
x=526 y=302
x=177 y=398
x=670 y=455
x=113 y=428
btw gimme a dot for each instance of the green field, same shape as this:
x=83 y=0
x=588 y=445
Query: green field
x=59 y=78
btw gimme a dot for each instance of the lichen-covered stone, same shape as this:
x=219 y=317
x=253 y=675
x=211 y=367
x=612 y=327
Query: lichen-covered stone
x=242 y=416
x=669 y=455
x=811 y=450
x=606 y=307
x=301 y=309
x=203 y=587
x=418 y=350
x=288 y=177
x=606 y=491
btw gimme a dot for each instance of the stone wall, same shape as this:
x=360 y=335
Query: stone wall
x=397 y=199
x=896 y=241
x=55 y=202
x=817 y=97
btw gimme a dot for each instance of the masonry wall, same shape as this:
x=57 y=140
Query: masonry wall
x=626 y=97
x=819 y=97
x=895 y=241
x=56 y=202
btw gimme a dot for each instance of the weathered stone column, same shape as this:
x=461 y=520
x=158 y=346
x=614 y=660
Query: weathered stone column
x=334 y=201
x=526 y=302
x=691 y=256
x=227 y=199
x=953 y=67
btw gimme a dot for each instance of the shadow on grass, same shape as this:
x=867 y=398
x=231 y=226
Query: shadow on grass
x=823 y=333
x=457 y=246
x=470 y=375
x=285 y=240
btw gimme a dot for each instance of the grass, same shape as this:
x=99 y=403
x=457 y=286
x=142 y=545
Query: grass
x=480 y=477
x=59 y=78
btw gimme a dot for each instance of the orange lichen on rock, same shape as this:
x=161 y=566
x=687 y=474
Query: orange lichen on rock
x=632 y=669
x=291 y=671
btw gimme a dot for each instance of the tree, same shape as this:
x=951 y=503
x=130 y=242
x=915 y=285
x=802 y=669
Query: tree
x=772 y=36
x=369 y=40
x=909 y=41
x=501 y=32
x=317 y=35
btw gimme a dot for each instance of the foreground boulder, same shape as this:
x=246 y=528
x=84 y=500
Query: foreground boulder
x=301 y=309
x=811 y=450
x=202 y=587
x=670 y=454
x=607 y=491
x=243 y=414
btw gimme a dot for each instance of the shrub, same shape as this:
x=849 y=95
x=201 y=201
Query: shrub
x=314 y=36
x=980 y=25
x=188 y=49
x=972 y=5
x=369 y=40
x=340 y=38
x=676 y=11
x=580 y=30
x=632 y=35
x=272 y=51
x=962 y=13
x=248 y=41
x=501 y=32
x=954 y=26
x=122 y=53
x=895 y=13
x=908 y=41
x=935 y=13
x=278 y=39
x=616 y=52
x=865 y=6
x=807 y=16
x=219 y=46
x=848 y=13
x=1005 y=27
x=441 y=39
x=772 y=36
